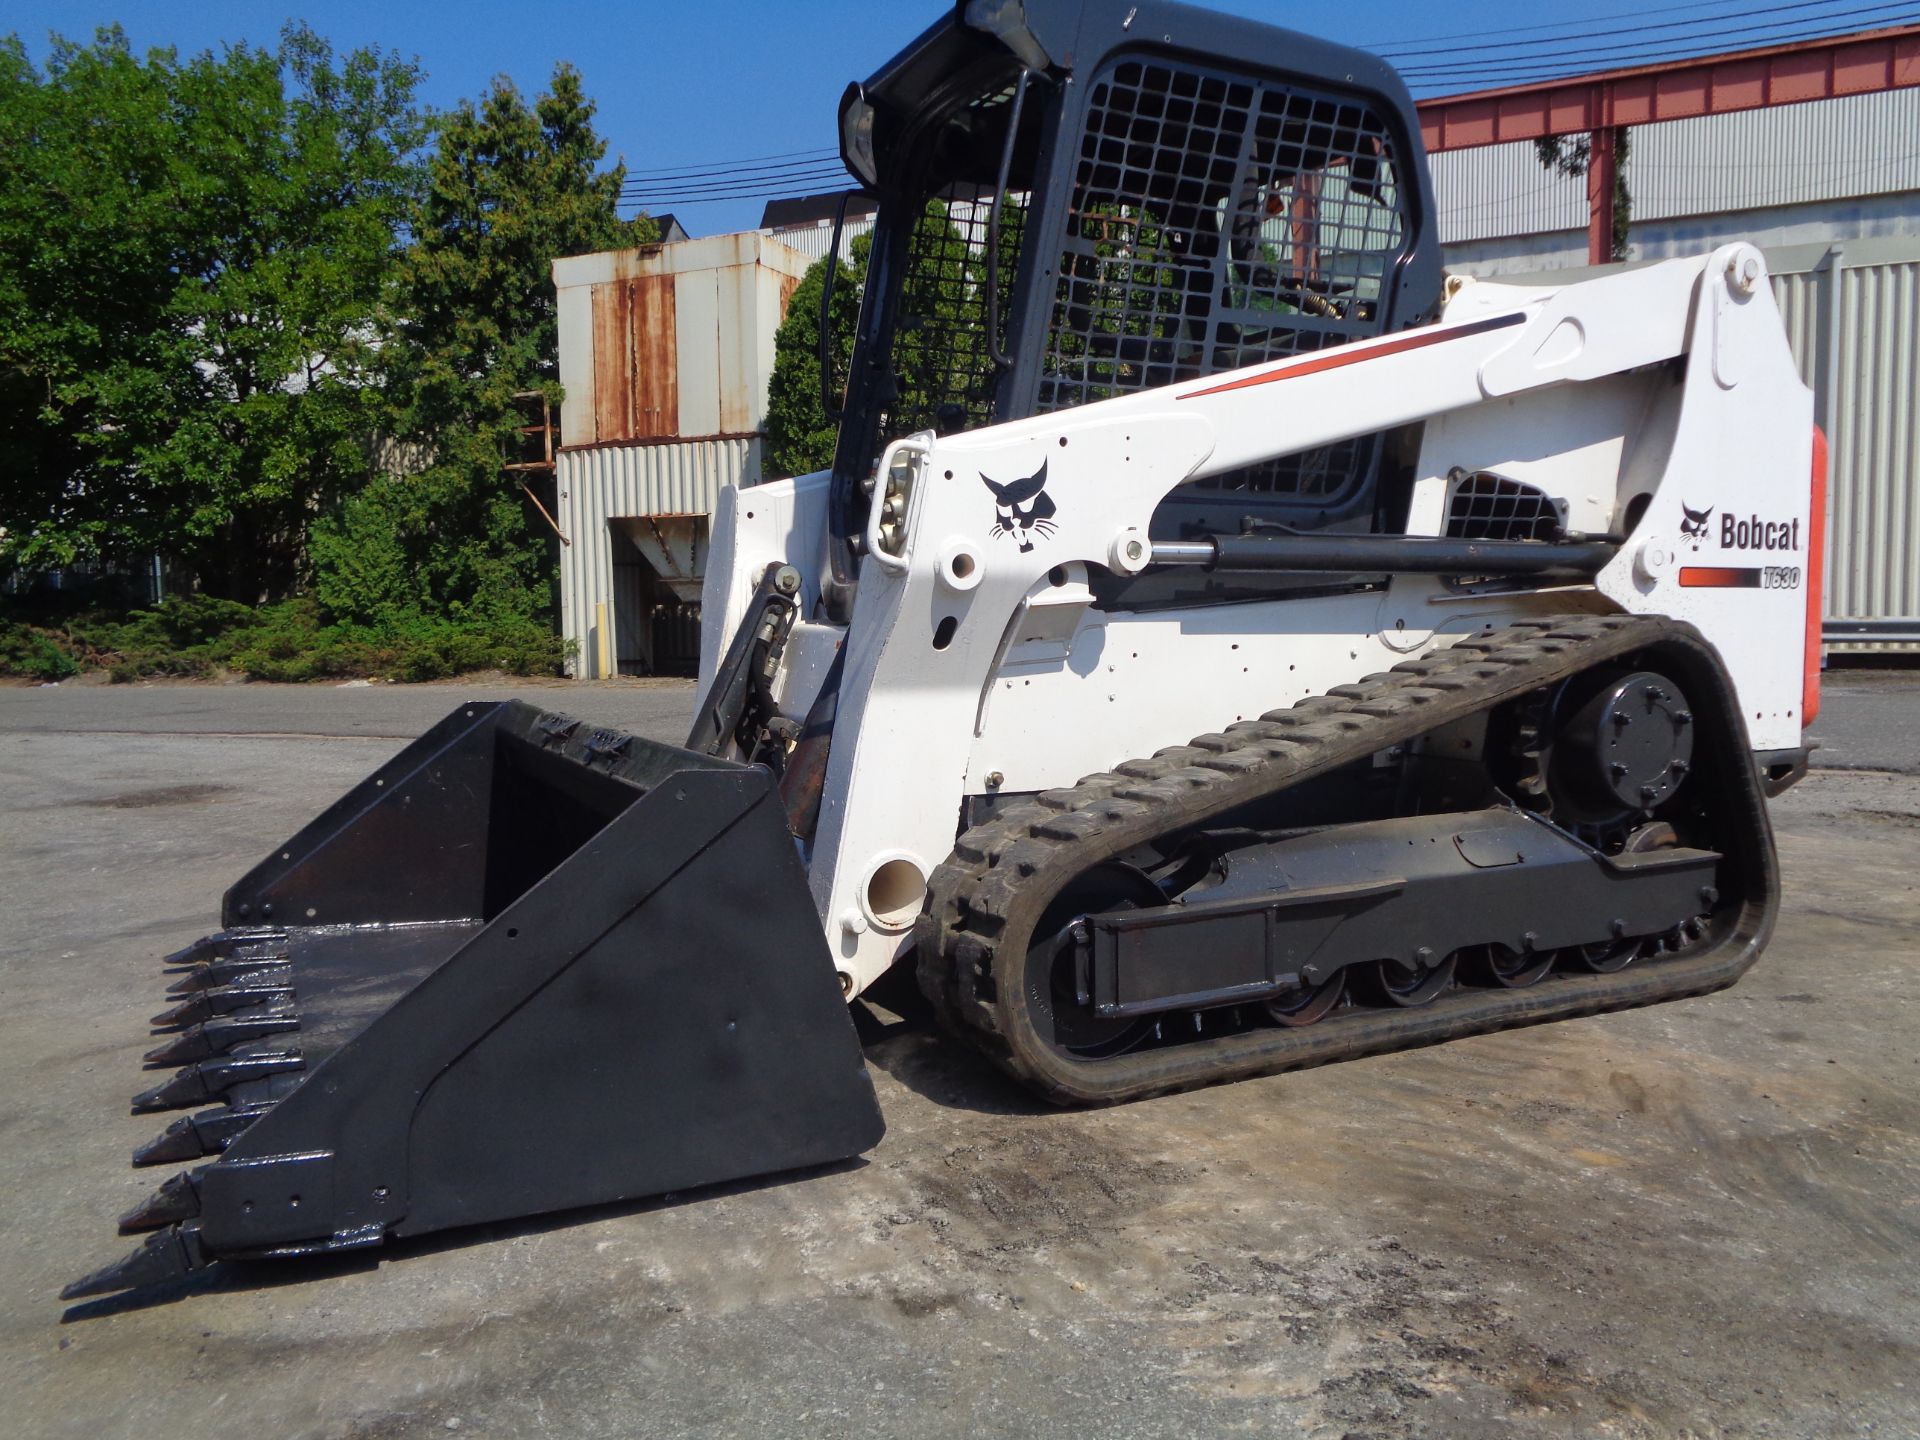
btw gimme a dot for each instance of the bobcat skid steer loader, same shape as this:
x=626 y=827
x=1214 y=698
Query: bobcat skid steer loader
x=1221 y=644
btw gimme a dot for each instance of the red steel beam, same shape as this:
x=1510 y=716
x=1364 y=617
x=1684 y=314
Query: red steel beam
x=1820 y=69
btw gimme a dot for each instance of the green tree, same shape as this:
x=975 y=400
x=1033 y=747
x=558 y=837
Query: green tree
x=193 y=256
x=509 y=189
x=1571 y=155
x=942 y=375
x=800 y=438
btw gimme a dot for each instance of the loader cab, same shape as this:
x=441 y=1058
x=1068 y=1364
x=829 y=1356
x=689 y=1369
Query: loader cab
x=1178 y=193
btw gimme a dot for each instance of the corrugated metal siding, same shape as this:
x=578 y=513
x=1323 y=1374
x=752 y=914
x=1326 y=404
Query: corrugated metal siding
x=1786 y=155
x=1873 y=569
x=1802 y=298
x=1861 y=365
x=1503 y=190
x=813 y=241
x=1758 y=159
x=674 y=478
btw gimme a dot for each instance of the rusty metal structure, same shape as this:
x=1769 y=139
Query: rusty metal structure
x=665 y=352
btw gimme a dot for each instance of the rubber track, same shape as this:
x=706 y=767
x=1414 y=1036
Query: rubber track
x=983 y=900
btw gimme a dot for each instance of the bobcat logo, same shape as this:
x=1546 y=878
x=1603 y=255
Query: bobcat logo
x=1694 y=527
x=1023 y=507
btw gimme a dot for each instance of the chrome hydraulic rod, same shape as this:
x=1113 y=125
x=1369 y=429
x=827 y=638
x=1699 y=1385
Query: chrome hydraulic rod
x=1402 y=554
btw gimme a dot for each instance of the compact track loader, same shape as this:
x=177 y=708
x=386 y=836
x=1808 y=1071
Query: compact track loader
x=1222 y=643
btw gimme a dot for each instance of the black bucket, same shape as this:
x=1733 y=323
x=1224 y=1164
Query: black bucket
x=526 y=965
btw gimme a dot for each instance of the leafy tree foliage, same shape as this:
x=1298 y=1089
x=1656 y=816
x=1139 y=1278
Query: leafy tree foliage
x=250 y=320
x=509 y=188
x=942 y=375
x=800 y=438
x=1571 y=155
x=193 y=255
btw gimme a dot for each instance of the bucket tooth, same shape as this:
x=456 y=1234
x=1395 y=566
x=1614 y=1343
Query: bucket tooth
x=178 y=1199
x=210 y=1079
x=205 y=1132
x=166 y=1254
x=261 y=970
x=225 y=945
x=216 y=1036
x=179 y=1141
x=216 y=998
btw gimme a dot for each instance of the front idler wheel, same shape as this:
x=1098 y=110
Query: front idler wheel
x=1057 y=983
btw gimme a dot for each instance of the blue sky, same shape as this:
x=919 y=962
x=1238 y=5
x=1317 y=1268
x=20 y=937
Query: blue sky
x=682 y=85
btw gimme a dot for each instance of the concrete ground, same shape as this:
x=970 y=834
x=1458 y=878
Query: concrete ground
x=1698 y=1219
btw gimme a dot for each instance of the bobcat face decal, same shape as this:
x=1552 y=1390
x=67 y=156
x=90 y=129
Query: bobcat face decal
x=1694 y=527
x=1022 y=508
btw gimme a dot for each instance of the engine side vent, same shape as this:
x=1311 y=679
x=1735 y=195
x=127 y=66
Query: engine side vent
x=1485 y=506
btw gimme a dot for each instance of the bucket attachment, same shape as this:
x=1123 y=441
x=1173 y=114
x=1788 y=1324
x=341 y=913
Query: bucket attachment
x=526 y=965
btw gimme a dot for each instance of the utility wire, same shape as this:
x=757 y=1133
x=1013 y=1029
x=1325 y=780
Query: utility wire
x=1744 y=36
x=768 y=171
x=799 y=186
x=1600 y=58
x=747 y=160
x=1642 y=29
x=1375 y=45
x=812 y=177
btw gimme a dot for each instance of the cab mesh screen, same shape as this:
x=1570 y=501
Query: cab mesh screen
x=1219 y=221
x=944 y=376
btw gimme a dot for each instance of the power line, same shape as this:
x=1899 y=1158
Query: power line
x=670 y=201
x=802 y=184
x=789 y=183
x=1743 y=36
x=1641 y=29
x=727 y=171
x=1554 y=25
x=747 y=160
x=1601 y=58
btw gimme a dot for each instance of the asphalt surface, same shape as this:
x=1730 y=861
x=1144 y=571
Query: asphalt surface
x=1695 y=1219
x=357 y=710
x=1869 y=720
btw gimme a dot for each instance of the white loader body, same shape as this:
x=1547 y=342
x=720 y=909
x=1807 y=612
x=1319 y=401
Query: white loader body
x=975 y=662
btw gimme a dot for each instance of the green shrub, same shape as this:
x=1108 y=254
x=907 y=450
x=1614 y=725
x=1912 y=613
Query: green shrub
x=291 y=641
x=25 y=650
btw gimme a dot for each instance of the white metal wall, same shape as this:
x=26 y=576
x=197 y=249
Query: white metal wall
x=812 y=241
x=1826 y=150
x=1852 y=313
x=600 y=482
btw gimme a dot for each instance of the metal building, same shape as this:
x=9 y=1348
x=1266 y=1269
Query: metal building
x=1842 y=169
x=665 y=353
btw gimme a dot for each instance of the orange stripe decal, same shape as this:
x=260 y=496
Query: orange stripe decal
x=1345 y=355
x=1719 y=577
